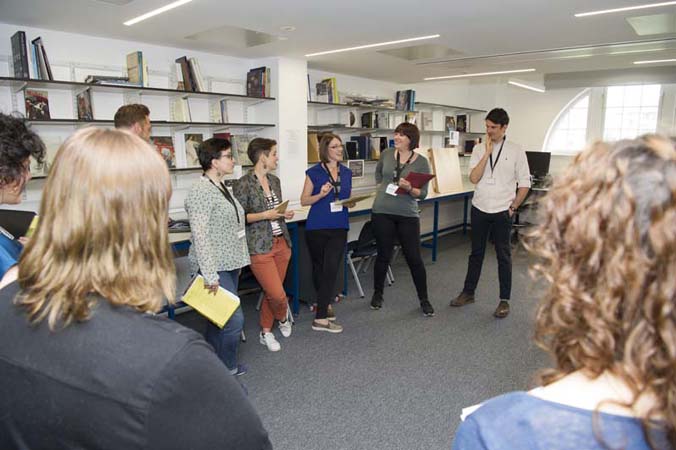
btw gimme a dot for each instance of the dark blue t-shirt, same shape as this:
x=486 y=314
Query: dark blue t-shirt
x=518 y=420
x=10 y=250
x=320 y=216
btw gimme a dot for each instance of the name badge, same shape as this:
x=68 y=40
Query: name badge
x=241 y=234
x=336 y=207
x=392 y=189
x=490 y=180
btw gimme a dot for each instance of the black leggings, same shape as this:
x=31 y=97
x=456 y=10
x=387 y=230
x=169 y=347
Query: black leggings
x=327 y=251
x=387 y=229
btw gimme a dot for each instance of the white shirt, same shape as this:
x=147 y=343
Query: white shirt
x=510 y=171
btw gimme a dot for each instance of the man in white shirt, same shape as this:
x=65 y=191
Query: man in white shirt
x=499 y=169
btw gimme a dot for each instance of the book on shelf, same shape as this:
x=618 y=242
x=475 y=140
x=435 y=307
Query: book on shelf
x=322 y=92
x=196 y=72
x=188 y=83
x=351 y=150
x=327 y=91
x=312 y=147
x=181 y=107
x=225 y=135
x=43 y=70
x=37 y=104
x=107 y=79
x=405 y=100
x=192 y=142
x=309 y=89
x=137 y=69
x=258 y=82
x=84 y=105
x=462 y=123
x=20 y=55
x=450 y=123
x=426 y=121
x=224 y=111
x=240 y=145
x=165 y=147
x=411 y=117
x=363 y=146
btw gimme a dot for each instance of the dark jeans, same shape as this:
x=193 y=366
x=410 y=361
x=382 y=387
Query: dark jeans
x=501 y=225
x=387 y=229
x=327 y=250
x=226 y=341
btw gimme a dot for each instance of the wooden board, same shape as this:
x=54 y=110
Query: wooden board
x=446 y=166
x=312 y=148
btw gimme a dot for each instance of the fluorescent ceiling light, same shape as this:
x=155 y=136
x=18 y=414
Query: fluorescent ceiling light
x=156 y=12
x=655 y=61
x=628 y=8
x=481 y=74
x=380 y=44
x=530 y=87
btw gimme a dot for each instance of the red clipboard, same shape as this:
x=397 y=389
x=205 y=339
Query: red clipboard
x=417 y=181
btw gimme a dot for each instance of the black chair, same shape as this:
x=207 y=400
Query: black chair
x=364 y=251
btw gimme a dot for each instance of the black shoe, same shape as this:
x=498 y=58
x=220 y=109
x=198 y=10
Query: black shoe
x=376 y=301
x=427 y=309
x=502 y=310
x=463 y=299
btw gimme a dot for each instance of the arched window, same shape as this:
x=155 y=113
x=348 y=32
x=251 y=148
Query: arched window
x=630 y=111
x=568 y=133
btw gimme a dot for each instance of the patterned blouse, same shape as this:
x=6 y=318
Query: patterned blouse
x=215 y=224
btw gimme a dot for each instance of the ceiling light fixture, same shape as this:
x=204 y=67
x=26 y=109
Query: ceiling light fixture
x=380 y=44
x=288 y=28
x=530 y=87
x=156 y=12
x=628 y=8
x=655 y=61
x=481 y=74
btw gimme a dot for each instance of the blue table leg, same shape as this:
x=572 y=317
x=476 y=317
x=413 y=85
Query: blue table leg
x=435 y=231
x=464 y=217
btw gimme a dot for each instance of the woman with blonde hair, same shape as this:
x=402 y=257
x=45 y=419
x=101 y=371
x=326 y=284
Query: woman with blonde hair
x=84 y=362
x=606 y=248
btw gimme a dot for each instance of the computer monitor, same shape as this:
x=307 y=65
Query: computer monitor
x=538 y=163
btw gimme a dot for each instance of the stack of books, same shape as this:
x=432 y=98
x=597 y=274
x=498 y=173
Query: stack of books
x=189 y=75
x=258 y=82
x=41 y=68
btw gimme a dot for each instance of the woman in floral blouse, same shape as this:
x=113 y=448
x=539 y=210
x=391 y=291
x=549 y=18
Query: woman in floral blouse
x=260 y=193
x=219 y=248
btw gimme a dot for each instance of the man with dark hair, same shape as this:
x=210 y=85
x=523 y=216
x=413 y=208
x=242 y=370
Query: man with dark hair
x=499 y=169
x=134 y=118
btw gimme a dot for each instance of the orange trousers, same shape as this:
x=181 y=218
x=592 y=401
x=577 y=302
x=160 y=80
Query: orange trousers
x=270 y=271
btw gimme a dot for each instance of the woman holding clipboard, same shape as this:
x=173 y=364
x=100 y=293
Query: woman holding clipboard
x=395 y=213
x=260 y=193
x=327 y=223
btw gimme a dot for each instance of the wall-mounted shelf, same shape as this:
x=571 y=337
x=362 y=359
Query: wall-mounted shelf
x=158 y=123
x=448 y=107
x=361 y=107
x=19 y=84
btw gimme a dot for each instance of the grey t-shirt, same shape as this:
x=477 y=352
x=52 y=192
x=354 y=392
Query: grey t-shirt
x=404 y=204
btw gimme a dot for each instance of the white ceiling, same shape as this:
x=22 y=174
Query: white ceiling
x=478 y=31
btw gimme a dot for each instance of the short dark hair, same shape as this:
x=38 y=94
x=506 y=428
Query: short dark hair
x=498 y=116
x=211 y=149
x=17 y=144
x=411 y=132
x=324 y=143
x=127 y=115
x=259 y=146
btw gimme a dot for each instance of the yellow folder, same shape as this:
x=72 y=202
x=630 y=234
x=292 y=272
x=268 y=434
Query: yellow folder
x=217 y=308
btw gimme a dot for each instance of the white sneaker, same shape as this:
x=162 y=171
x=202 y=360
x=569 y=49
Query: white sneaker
x=268 y=339
x=285 y=328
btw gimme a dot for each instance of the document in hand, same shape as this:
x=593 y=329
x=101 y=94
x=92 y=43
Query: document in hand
x=356 y=198
x=217 y=308
x=417 y=180
x=281 y=208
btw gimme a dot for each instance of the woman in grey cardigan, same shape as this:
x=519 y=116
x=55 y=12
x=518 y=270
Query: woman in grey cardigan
x=260 y=193
x=218 y=249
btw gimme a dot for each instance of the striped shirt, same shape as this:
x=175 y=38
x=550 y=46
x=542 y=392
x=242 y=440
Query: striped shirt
x=272 y=202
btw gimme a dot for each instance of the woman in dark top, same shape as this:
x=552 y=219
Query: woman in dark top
x=260 y=193
x=84 y=361
x=606 y=249
x=17 y=145
x=327 y=225
x=396 y=216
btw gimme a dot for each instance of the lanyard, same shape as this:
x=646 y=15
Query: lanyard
x=335 y=183
x=400 y=169
x=226 y=194
x=497 y=158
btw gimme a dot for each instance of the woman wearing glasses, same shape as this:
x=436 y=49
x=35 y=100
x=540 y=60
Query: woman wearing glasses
x=219 y=249
x=327 y=223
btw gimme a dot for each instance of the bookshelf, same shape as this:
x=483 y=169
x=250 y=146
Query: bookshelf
x=438 y=106
x=360 y=107
x=161 y=123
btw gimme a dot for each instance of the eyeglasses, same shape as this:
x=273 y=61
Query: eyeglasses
x=229 y=156
x=336 y=146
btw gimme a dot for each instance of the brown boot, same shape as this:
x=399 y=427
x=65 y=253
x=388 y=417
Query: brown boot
x=502 y=310
x=462 y=299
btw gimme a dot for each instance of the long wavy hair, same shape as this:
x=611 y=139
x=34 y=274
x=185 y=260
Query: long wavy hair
x=606 y=248
x=102 y=230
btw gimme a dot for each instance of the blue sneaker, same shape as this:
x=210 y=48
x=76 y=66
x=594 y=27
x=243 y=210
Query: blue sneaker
x=240 y=370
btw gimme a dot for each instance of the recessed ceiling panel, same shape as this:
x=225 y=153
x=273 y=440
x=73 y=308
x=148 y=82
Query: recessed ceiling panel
x=422 y=52
x=655 y=24
x=232 y=37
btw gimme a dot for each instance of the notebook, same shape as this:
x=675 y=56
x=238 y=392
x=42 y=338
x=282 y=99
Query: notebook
x=217 y=308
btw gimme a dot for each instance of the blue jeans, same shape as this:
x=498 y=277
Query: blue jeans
x=226 y=341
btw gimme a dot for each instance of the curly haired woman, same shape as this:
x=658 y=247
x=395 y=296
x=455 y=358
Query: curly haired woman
x=606 y=247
